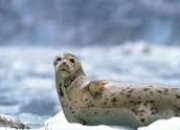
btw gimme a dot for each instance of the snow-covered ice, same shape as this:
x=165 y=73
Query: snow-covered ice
x=169 y=124
x=12 y=122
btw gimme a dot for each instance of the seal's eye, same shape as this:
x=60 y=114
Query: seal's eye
x=58 y=59
x=72 y=60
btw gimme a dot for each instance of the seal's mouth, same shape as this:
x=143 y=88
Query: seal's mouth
x=63 y=69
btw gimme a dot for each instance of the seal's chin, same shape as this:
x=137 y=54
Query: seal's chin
x=65 y=71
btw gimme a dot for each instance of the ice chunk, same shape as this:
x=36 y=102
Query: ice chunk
x=168 y=124
x=11 y=122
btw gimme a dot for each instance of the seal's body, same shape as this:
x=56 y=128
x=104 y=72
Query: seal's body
x=104 y=102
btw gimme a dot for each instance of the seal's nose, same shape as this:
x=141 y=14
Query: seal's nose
x=64 y=63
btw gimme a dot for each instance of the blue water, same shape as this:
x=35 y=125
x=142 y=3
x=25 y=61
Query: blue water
x=27 y=87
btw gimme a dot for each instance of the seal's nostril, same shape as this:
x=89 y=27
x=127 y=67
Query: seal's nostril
x=64 y=63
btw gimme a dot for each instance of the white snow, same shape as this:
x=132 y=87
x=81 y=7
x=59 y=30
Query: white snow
x=168 y=124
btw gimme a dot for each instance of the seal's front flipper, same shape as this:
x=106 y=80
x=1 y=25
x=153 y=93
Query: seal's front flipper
x=96 y=88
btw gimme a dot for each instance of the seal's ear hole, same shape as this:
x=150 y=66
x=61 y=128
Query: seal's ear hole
x=72 y=60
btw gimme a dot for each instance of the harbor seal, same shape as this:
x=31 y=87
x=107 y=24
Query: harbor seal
x=105 y=102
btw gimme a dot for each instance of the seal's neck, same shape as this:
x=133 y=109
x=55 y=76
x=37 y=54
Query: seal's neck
x=63 y=84
x=66 y=81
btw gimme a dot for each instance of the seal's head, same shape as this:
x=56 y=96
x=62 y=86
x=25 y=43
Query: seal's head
x=67 y=64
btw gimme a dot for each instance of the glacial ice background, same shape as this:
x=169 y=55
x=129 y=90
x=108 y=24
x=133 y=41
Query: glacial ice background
x=27 y=76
